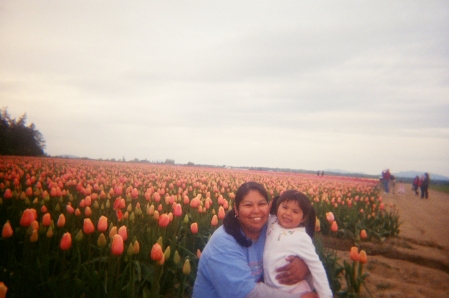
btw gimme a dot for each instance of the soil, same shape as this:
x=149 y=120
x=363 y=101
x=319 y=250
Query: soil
x=416 y=263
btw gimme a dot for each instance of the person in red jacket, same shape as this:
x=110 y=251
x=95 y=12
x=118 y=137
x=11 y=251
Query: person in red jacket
x=416 y=184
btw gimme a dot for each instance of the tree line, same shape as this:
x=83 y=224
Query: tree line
x=18 y=139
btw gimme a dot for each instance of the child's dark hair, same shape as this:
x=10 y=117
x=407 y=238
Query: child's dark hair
x=303 y=203
x=231 y=223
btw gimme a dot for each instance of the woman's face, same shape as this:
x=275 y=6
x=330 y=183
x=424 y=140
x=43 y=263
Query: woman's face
x=253 y=214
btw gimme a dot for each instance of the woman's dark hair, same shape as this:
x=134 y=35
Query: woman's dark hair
x=231 y=223
x=303 y=203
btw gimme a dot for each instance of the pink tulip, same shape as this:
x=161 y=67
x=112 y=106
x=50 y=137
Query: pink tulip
x=117 y=245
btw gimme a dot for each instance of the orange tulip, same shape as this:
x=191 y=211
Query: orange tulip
x=198 y=253
x=61 y=221
x=49 y=232
x=87 y=211
x=363 y=234
x=34 y=236
x=362 y=257
x=122 y=231
x=354 y=253
x=46 y=220
x=70 y=209
x=112 y=232
x=28 y=216
x=334 y=227
x=221 y=212
x=102 y=225
x=3 y=290
x=117 y=245
x=66 y=241
x=214 y=220
x=194 y=228
x=7 y=230
x=317 y=225
x=156 y=252
x=88 y=227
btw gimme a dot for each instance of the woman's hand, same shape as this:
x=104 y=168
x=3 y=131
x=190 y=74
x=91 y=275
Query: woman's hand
x=309 y=295
x=292 y=273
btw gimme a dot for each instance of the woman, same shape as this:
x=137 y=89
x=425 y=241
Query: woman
x=231 y=262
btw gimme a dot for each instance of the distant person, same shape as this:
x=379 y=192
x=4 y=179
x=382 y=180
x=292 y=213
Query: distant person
x=416 y=184
x=425 y=181
x=290 y=230
x=401 y=188
x=386 y=180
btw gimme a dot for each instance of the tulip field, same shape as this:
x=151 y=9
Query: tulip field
x=86 y=228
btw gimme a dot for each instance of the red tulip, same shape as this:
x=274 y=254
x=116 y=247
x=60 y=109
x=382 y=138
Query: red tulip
x=164 y=220
x=177 y=210
x=66 y=241
x=7 y=194
x=46 y=220
x=28 y=216
x=117 y=245
x=7 y=230
x=88 y=227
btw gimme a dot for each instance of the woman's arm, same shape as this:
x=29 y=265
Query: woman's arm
x=292 y=273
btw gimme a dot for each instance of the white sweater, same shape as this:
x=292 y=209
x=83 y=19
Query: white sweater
x=281 y=243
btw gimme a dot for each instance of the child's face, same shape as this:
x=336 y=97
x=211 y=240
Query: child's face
x=289 y=215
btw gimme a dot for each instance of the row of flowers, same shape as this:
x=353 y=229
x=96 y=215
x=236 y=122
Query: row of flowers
x=132 y=229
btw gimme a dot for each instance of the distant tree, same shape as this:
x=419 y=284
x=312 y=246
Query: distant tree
x=18 y=139
x=190 y=163
x=170 y=161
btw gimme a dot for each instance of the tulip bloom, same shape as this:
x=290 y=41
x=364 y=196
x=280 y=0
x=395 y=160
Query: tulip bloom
x=214 y=220
x=177 y=210
x=3 y=289
x=101 y=242
x=317 y=225
x=221 y=212
x=122 y=231
x=330 y=217
x=186 y=267
x=117 y=245
x=46 y=220
x=66 y=241
x=164 y=220
x=354 y=253
x=7 y=194
x=61 y=221
x=28 y=216
x=102 y=225
x=7 y=230
x=34 y=236
x=362 y=257
x=88 y=227
x=363 y=234
x=156 y=252
x=136 y=247
x=194 y=228
x=334 y=227
x=70 y=209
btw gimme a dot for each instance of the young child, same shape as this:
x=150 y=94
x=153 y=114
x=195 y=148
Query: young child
x=290 y=230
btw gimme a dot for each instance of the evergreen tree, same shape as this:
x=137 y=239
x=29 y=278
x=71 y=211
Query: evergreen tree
x=18 y=139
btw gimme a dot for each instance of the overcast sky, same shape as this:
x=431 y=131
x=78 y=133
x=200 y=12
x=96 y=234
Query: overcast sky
x=353 y=85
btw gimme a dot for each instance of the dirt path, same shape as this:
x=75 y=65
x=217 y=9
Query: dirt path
x=416 y=264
